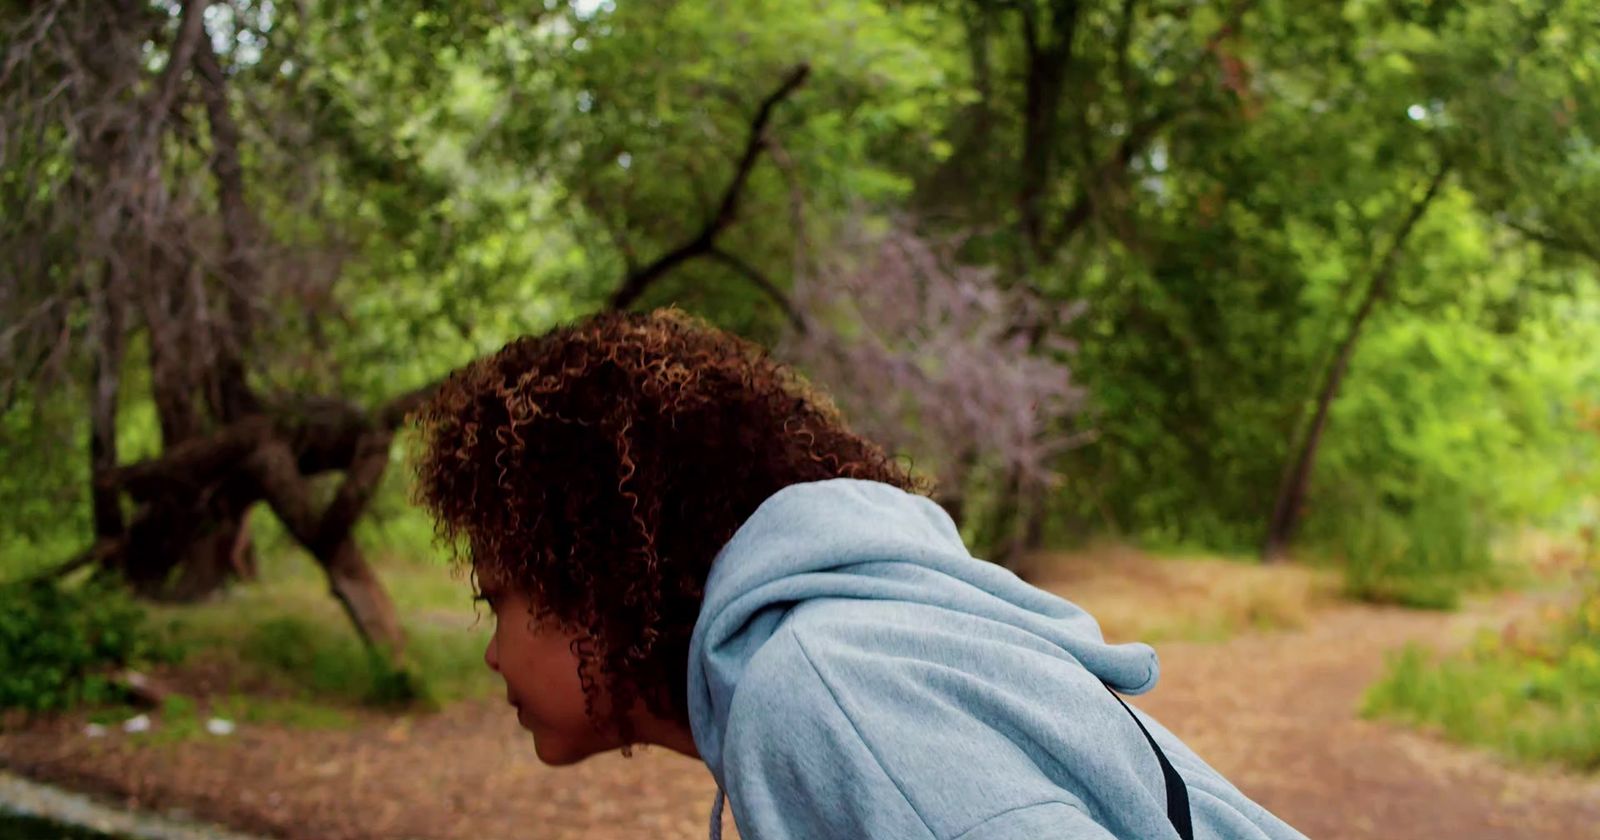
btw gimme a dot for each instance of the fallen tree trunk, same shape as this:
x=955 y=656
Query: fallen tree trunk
x=187 y=535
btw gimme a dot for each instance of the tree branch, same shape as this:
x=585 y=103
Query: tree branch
x=1115 y=165
x=1112 y=168
x=1556 y=241
x=755 y=276
x=94 y=555
x=327 y=434
x=704 y=240
x=328 y=535
x=194 y=461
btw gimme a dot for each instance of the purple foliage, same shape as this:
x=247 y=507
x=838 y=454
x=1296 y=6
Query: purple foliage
x=931 y=358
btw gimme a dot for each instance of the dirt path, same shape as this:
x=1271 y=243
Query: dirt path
x=1275 y=713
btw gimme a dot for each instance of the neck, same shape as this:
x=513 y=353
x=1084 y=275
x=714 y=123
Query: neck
x=670 y=734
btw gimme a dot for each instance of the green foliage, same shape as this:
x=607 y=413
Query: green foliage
x=60 y=646
x=1218 y=287
x=1450 y=431
x=1530 y=694
x=1424 y=557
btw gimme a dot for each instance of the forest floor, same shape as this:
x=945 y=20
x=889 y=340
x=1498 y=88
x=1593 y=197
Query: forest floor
x=1268 y=694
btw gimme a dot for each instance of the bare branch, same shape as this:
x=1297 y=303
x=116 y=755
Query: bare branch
x=191 y=29
x=1555 y=241
x=755 y=276
x=94 y=555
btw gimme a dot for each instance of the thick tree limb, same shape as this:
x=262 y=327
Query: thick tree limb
x=704 y=240
x=325 y=435
x=328 y=535
x=195 y=461
x=360 y=482
x=391 y=414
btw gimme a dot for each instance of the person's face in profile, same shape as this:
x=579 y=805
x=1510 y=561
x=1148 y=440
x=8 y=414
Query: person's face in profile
x=541 y=675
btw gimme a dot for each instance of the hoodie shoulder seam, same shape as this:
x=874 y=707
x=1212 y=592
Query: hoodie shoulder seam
x=805 y=654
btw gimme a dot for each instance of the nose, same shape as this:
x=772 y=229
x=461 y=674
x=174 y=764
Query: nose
x=491 y=656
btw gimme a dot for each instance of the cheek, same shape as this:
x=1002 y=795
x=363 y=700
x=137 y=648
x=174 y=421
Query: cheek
x=545 y=683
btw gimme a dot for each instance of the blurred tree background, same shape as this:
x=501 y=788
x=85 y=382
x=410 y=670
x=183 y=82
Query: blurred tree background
x=1263 y=278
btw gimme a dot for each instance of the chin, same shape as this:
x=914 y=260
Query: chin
x=556 y=754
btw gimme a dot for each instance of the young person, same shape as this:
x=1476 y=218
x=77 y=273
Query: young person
x=684 y=545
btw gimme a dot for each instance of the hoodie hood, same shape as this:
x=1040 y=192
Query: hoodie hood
x=847 y=538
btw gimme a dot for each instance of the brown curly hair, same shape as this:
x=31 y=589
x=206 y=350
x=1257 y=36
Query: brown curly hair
x=600 y=467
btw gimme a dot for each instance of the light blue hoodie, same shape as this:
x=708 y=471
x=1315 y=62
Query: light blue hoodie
x=856 y=673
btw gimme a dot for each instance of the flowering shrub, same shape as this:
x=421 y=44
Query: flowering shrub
x=935 y=359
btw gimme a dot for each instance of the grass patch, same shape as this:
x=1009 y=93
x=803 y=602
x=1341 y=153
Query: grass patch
x=285 y=637
x=1137 y=596
x=314 y=654
x=182 y=718
x=300 y=714
x=1530 y=709
x=1530 y=693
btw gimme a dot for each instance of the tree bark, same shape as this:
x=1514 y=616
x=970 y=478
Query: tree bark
x=329 y=535
x=106 y=328
x=1287 y=507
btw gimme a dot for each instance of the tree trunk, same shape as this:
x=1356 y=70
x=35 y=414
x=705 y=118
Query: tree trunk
x=1049 y=51
x=105 y=387
x=952 y=490
x=364 y=599
x=1004 y=519
x=1289 y=504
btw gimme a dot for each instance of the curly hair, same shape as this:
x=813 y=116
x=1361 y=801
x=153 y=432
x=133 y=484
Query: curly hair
x=599 y=468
